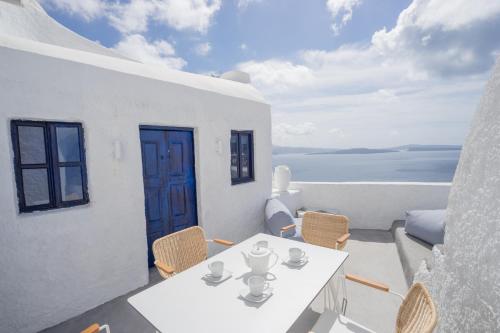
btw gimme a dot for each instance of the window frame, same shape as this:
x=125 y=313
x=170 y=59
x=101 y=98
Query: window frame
x=52 y=165
x=251 y=165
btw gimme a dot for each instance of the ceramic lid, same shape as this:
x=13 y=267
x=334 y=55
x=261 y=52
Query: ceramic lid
x=259 y=250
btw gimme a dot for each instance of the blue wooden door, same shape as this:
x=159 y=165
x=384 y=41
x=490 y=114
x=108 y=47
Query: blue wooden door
x=169 y=182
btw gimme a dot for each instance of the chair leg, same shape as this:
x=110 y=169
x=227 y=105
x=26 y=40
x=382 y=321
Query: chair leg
x=325 y=298
x=344 y=291
x=333 y=295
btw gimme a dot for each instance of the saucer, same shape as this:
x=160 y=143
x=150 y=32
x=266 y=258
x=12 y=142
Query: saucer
x=245 y=294
x=299 y=263
x=212 y=279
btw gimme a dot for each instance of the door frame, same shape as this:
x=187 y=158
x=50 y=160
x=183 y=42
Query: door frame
x=180 y=129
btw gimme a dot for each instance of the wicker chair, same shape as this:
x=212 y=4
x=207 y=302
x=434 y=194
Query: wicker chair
x=181 y=250
x=417 y=313
x=95 y=328
x=325 y=230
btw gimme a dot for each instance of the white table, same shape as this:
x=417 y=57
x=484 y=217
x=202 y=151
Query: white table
x=186 y=303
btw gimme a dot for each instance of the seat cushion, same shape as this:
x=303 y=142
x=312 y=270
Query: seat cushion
x=412 y=251
x=330 y=322
x=427 y=225
x=277 y=217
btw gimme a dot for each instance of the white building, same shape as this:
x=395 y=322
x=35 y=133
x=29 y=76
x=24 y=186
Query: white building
x=79 y=166
x=101 y=154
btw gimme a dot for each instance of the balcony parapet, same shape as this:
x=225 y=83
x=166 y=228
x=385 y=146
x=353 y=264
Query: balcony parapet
x=372 y=205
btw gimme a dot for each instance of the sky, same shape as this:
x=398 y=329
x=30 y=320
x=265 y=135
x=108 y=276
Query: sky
x=337 y=73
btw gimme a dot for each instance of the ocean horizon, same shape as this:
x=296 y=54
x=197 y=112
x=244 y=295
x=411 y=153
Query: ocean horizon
x=400 y=166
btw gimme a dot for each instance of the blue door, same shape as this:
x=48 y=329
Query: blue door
x=169 y=182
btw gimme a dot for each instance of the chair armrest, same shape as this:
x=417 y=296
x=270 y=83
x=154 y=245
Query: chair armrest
x=343 y=238
x=366 y=282
x=94 y=328
x=288 y=227
x=223 y=242
x=164 y=267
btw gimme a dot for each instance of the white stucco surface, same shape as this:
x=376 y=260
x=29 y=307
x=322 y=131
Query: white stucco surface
x=465 y=279
x=373 y=205
x=27 y=19
x=60 y=263
x=292 y=199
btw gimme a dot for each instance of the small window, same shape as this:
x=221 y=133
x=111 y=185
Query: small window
x=49 y=161
x=241 y=157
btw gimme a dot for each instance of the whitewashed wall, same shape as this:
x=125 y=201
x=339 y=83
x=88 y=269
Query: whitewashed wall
x=59 y=263
x=373 y=205
x=465 y=281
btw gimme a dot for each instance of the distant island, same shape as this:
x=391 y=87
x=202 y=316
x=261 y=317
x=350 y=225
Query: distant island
x=278 y=150
x=429 y=147
x=357 y=151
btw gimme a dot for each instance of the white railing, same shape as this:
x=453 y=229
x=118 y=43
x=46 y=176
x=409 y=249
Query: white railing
x=371 y=205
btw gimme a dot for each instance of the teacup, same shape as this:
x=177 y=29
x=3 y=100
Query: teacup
x=216 y=268
x=257 y=285
x=262 y=243
x=296 y=254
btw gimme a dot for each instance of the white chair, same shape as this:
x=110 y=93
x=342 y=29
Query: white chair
x=417 y=313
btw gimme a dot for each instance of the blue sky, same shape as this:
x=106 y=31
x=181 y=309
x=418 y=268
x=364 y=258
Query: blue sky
x=269 y=29
x=338 y=73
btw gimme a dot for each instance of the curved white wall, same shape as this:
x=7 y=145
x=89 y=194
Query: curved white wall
x=27 y=19
x=465 y=281
x=373 y=205
x=60 y=263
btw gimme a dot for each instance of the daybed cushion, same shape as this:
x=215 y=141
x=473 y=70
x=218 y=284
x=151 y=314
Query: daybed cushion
x=427 y=225
x=279 y=216
x=411 y=250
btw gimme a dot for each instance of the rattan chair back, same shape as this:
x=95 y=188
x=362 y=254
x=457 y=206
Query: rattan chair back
x=181 y=250
x=324 y=229
x=417 y=313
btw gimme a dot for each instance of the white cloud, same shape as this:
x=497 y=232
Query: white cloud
x=135 y=15
x=131 y=17
x=243 y=4
x=298 y=129
x=203 y=49
x=194 y=15
x=243 y=47
x=282 y=132
x=444 y=37
x=451 y=15
x=421 y=79
x=87 y=9
x=341 y=11
x=394 y=132
x=158 y=52
x=277 y=75
x=337 y=132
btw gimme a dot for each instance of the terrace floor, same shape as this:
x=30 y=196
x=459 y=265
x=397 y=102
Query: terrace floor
x=373 y=255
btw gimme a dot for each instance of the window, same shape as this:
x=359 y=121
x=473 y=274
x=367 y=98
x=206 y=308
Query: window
x=49 y=161
x=241 y=157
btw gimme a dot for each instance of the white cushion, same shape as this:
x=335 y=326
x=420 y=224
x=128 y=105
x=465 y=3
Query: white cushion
x=277 y=217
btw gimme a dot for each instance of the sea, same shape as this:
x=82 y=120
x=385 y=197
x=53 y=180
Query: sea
x=401 y=166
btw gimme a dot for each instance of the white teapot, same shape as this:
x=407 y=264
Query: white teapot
x=258 y=259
